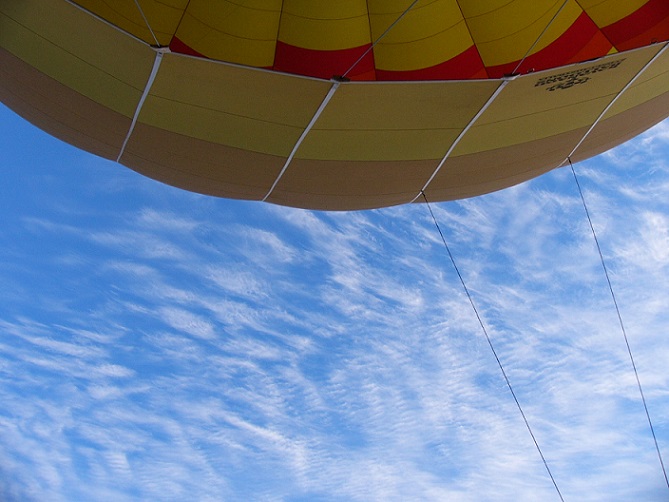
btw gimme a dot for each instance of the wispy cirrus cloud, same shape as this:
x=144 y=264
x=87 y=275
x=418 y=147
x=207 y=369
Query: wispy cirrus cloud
x=185 y=347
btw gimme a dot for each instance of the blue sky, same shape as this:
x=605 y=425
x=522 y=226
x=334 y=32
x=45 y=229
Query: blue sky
x=161 y=345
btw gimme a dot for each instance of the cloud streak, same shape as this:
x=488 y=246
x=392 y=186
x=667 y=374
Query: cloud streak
x=182 y=347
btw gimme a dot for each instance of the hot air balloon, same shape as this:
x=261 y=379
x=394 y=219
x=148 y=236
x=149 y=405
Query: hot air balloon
x=338 y=105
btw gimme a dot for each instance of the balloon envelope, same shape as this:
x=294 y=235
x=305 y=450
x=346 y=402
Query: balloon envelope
x=338 y=105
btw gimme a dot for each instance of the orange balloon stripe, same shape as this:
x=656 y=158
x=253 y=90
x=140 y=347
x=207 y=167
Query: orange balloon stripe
x=466 y=65
x=582 y=41
x=647 y=25
x=324 y=64
x=598 y=45
x=578 y=43
x=176 y=45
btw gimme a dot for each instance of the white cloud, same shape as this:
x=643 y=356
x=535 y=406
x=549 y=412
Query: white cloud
x=188 y=322
x=273 y=353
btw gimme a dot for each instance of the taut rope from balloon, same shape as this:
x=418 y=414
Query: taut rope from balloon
x=620 y=321
x=490 y=344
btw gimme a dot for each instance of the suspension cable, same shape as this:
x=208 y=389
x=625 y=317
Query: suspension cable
x=557 y=13
x=620 y=321
x=371 y=47
x=146 y=21
x=490 y=344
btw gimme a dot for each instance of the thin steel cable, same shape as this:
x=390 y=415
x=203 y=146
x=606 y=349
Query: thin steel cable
x=620 y=321
x=371 y=47
x=492 y=347
x=146 y=21
x=539 y=37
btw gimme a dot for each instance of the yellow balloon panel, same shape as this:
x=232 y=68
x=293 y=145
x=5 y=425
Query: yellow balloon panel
x=653 y=82
x=421 y=39
x=325 y=25
x=620 y=127
x=606 y=12
x=59 y=110
x=228 y=31
x=239 y=107
x=394 y=121
x=162 y=16
x=548 y=103
x=511 y=31
x=34 y=33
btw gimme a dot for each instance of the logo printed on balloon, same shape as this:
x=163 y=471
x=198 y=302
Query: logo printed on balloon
x=575 y=77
